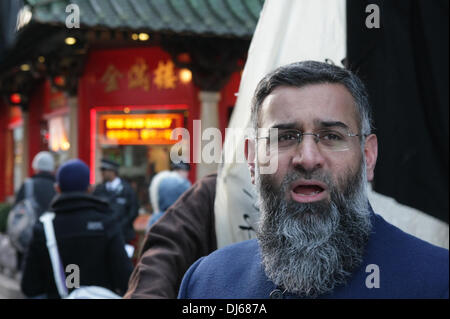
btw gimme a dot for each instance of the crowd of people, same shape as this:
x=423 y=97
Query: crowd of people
x=317 y=235
x=93 y=225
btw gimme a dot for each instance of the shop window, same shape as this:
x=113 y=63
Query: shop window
x=58 y=129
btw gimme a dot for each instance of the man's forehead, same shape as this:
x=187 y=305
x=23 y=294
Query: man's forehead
x=311 y=104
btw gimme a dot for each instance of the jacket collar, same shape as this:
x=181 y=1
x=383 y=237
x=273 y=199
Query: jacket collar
x=72 y=201
x=46 y=175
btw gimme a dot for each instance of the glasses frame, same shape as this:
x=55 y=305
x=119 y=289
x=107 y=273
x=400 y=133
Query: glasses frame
x=299 y=134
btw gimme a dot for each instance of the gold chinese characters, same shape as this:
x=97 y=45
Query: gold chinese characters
x=139 y=76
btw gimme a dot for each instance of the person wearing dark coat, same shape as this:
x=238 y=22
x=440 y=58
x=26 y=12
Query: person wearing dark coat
x=87 y=236
x=43 y=181
x=121 y=197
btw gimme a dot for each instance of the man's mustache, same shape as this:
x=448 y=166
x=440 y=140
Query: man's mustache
x=300 y=173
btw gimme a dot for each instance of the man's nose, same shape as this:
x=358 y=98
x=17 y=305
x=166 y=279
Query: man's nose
x=308 y=154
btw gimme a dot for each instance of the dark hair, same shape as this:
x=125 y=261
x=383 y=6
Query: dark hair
x=181 y=165
x=300 y=74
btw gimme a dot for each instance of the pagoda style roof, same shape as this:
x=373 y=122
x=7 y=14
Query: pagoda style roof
x=218 y=18
x=210 y=37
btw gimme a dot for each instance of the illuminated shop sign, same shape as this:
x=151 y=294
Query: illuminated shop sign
x=148 y=129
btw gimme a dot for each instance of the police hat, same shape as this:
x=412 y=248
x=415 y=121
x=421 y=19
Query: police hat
x=109 y=165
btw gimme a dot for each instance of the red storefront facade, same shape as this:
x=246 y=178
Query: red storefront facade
x=135 y=87
x=115 y=87
x=129 y=82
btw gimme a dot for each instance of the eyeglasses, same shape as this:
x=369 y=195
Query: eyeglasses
x=328 y=139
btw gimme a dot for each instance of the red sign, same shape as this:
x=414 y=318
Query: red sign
x=135 y=77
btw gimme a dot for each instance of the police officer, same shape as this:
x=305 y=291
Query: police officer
x=121 y=197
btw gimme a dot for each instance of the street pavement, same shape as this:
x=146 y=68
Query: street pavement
x=9 y=288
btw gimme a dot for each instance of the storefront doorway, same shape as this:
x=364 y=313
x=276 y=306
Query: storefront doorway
x=138 y=165
x=138 y=139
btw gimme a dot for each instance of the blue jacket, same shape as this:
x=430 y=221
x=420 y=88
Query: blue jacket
x=408 y=268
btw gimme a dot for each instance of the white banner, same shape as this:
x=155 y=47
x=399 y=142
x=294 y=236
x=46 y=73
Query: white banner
x=287 y=31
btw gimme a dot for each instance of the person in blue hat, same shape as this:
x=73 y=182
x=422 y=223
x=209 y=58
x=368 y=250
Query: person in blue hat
x=86 y=234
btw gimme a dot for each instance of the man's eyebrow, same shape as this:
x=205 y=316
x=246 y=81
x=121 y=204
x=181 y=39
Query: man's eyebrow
x=317 y=123
x=330 y=124
x=290 y=125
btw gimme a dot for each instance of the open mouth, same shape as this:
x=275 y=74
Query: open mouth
x=308 y=191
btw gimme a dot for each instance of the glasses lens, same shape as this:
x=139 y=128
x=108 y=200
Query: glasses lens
x=287 y=138
x=334 y=140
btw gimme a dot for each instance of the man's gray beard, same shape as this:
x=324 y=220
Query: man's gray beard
x=311 y=248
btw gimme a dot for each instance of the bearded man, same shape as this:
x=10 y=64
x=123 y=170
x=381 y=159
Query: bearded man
x=318 y=236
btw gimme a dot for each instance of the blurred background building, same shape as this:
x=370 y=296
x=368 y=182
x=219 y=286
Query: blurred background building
x=135 y=69
x=116 y=86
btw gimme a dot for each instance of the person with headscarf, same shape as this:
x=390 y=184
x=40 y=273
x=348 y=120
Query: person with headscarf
x=165 y=188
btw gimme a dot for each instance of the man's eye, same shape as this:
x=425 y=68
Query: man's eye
x=330 y=136
x=288 y=136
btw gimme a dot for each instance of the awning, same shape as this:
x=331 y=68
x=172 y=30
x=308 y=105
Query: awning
x=223 y=18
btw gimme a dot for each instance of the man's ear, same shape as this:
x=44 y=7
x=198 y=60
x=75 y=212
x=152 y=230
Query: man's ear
x=90 y=188
x=371 y=153
x=250 y=155
x=57 y=188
